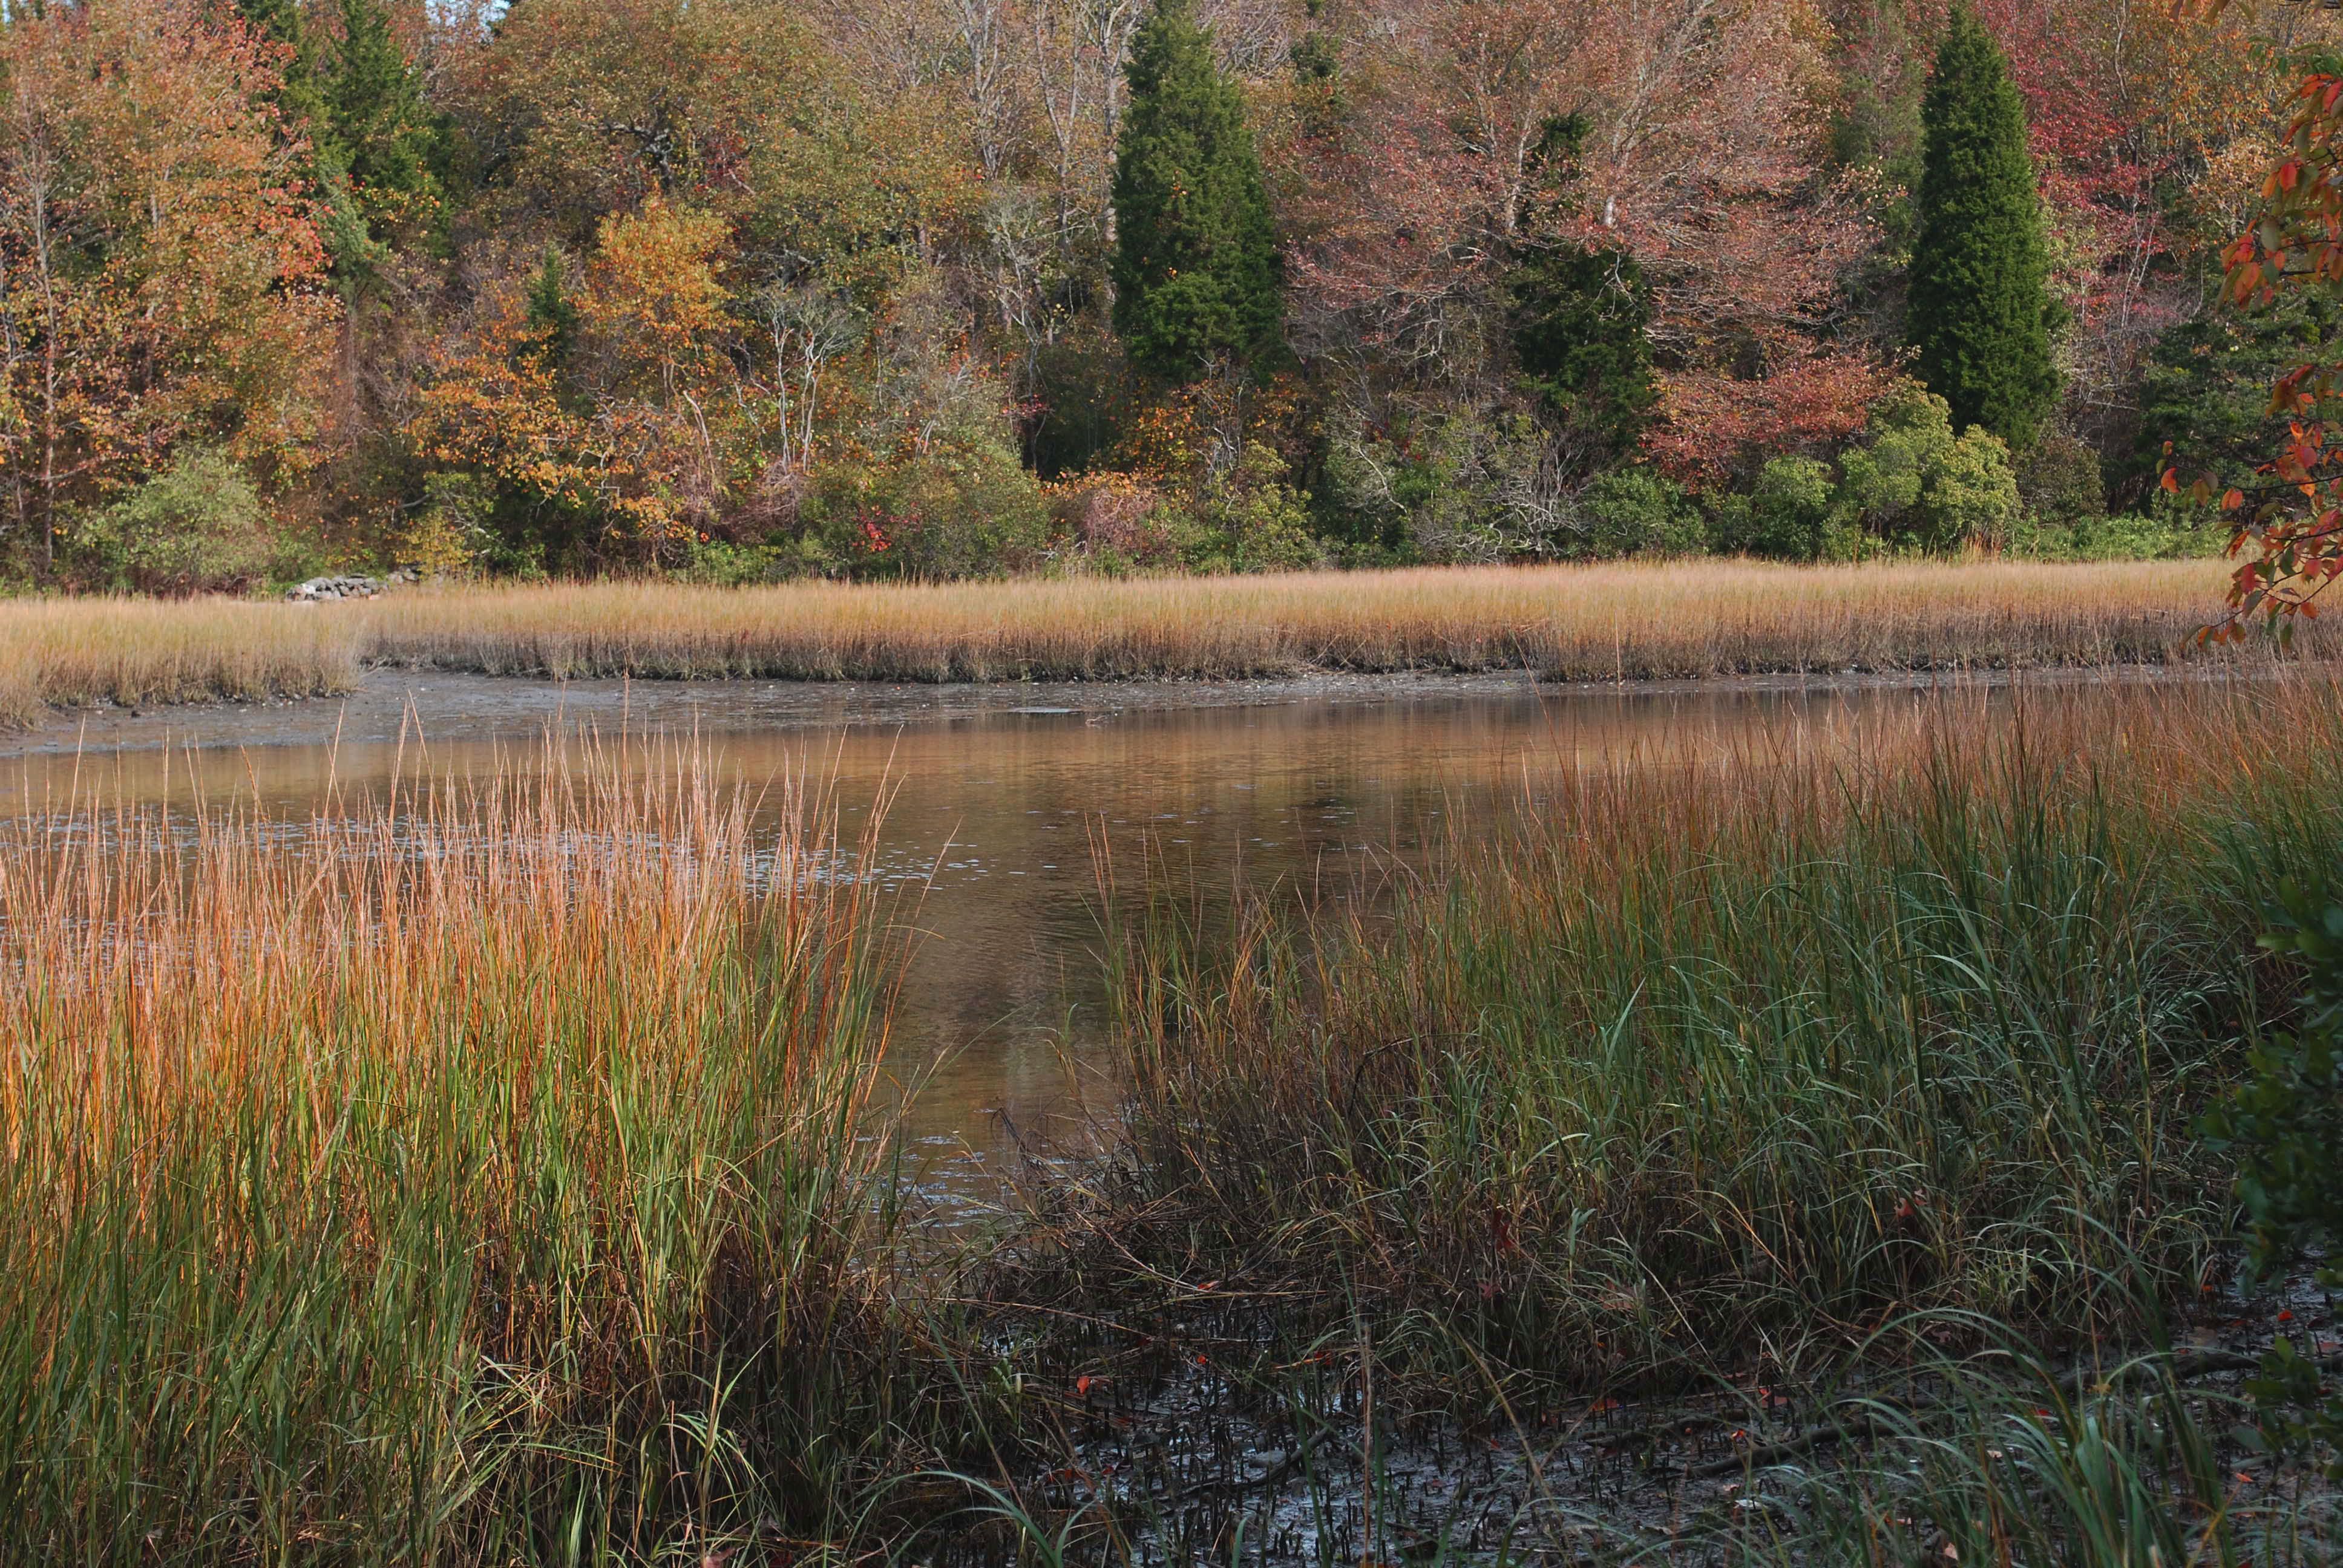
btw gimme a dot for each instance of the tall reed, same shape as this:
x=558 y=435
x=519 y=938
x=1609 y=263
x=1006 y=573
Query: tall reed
x=1723 y=1068
x=1618 y=621
x=481 y=1175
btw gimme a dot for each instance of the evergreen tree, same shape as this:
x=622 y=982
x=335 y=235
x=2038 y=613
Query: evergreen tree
x=389 y=140
x=2205 y=389
x=1579 y=336
x=552 y=315
x=298 y=98
x=1981 y=315
x=1580 y=312
x=1196 y=271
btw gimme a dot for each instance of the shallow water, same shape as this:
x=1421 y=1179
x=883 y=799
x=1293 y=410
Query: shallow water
x=1003 y=798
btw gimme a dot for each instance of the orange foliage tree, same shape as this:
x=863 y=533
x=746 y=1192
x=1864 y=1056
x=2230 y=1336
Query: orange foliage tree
x=163 y=277
x=2289 y=526
x=632 y=428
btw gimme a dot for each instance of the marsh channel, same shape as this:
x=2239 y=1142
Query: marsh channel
x=1014 y=819
x=1007 y=810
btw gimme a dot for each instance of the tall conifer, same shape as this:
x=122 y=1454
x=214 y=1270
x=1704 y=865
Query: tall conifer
x=1980 y=311
x=1580 y=312
x=1196 y=271
x=387 y=137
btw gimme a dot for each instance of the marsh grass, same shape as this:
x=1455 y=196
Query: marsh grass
x=485 y=1174
x=2131 y=1462
x=1626 y=621
x=78 y=653
x=1718 y=1070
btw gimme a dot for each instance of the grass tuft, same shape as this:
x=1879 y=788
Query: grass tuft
x=1722 y=1067
x=488 y=1174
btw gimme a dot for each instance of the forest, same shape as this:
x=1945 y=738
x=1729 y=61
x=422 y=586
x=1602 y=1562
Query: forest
x=743 y=292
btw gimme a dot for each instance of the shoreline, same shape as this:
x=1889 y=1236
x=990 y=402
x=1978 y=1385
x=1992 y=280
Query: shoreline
x=456 y=706
x=1603 y=624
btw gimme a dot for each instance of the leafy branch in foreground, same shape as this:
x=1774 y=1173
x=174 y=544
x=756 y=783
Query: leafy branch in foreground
x=2290 y=517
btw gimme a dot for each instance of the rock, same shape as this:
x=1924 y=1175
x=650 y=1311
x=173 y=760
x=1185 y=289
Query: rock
x=323 y=590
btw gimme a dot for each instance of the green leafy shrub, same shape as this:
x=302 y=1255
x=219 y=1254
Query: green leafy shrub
x=964 y=506
x=1790 y=514
x=720 y=563
x=1916 y=486
x=454 y=533
x=1641 y=511
x=1250 y=520
x=2285 y=1124
x=2172 y=530
x=197 y=527
x=2061 y=482
x=1457 y=482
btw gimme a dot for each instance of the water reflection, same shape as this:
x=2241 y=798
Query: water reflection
x=990 y=837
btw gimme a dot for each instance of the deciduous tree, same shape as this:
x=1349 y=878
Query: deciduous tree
x=163 y=271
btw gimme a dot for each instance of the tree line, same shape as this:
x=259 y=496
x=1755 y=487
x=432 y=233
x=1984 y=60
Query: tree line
x=941 y=287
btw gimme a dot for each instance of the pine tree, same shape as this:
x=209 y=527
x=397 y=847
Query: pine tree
x=387 y=138
x=1981 y=315
x=1196 y=271
x=1580 y=312
x=298 y=96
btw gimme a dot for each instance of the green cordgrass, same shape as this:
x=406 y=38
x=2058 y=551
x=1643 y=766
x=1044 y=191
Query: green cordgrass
x=501 y=1185
x=1724 y=1067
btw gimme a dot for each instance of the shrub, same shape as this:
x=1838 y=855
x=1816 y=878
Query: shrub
x=1790 y=514
x=1918 y=486
x=1970 y=497
x=962 y=508
x=2061 y=482
x=1641 y=511
x=2172 y=530
x=1117 y=522
x=454 y=534
x=720 y=563
x=1250 y=520
x=197 y=527
x=1455 y=483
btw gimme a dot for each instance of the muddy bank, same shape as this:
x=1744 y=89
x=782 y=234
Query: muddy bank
x=461 y=707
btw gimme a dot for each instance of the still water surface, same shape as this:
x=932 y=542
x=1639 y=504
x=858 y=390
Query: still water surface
x=1001 y=798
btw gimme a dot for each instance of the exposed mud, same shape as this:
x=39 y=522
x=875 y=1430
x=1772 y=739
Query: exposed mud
x=458 y=707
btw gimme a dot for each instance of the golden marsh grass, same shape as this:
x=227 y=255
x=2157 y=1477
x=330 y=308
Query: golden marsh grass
x=1631 y=620
x=407 y=1184
x=493 y=1175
